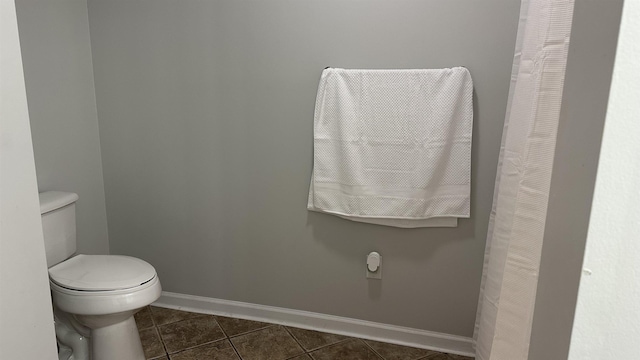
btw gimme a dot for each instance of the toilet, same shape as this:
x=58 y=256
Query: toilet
x=94 y=296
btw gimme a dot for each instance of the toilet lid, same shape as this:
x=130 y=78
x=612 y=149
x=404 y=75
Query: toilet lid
x=101 y=272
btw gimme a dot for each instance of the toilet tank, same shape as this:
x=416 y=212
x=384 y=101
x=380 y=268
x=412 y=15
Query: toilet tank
x=58 y=210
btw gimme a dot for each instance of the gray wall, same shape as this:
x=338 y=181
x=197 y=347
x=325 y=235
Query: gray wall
x=584 y=105
x=56 y=53
x=206 y=111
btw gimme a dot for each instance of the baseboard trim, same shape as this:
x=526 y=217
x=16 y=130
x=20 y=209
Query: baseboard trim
x=424 y=339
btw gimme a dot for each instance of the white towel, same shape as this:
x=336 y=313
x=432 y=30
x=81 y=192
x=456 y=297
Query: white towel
x=393 y=147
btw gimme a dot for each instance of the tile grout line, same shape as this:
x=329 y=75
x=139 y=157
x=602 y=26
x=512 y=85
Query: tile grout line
x=304 y=351
x=372 y=349
x=335 y=343
x=157 y=330
x=228 y=338
x=192 y=315
x=157 y=327
x=195 y=346
x=251 y=331
x=233 y=346
x=430 y=356
x=308 y=352
x=166 y=352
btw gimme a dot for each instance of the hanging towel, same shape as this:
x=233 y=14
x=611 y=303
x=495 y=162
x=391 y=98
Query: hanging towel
x=393 y=147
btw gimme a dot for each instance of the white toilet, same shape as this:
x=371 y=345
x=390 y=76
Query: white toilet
x=94 y=296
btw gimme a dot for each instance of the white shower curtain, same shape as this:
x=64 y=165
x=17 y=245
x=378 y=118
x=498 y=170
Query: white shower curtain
x=516 y=225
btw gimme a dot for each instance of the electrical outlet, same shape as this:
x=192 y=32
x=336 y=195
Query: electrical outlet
x=374 y=266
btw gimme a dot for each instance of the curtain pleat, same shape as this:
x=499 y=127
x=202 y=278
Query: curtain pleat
x=516 y=225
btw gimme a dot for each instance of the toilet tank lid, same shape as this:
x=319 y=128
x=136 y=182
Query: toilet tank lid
x=53 y=200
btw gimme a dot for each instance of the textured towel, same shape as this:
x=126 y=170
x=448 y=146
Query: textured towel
x=393 y=147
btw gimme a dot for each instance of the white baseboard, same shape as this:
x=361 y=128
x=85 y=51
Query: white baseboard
x=452 y=344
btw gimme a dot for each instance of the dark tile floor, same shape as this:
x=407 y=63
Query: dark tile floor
x=180 y=335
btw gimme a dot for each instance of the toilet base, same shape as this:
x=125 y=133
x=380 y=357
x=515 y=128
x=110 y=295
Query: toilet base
x=73 y=338
x=113 y=336
x=106 y=317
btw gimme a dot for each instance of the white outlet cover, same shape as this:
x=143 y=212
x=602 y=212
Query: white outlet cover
x=377 y=258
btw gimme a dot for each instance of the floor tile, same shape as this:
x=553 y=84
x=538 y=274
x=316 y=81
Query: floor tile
x=189 y=333
x=186 y=335
x=272 y=343
x=397 y=352
x=219 y=350
x=233 y=326
x=143 y=318
x=353 y=349
x=165 y=316
x=151 y=343
x=311 y=340
x=439 y=356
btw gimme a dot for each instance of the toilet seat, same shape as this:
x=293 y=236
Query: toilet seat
x=100 y=273
x=103 y=284
x=81 y=302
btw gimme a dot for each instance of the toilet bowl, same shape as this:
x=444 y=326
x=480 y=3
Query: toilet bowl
x=103 y=292
x=94 y=296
